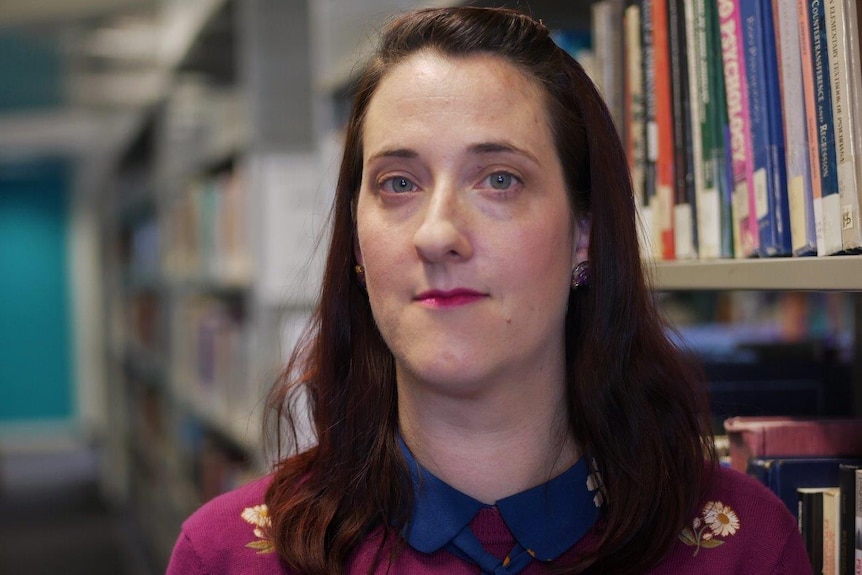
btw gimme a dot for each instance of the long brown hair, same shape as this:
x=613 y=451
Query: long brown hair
x=634 y=403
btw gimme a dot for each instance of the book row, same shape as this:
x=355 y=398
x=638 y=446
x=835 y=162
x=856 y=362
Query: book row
x=742 y=120
x=815 y=467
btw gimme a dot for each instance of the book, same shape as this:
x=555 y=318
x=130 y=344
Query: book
x=652 y=245
x=685 y=202
x=857 y=555
x=810 y=99
x=635 y=129
x=847 y=486
x=767 y=132
x=799 y=194
x=784 y=476
x=662 y=213
x=782 y=436
x=827 y=208
x=746 y=240
x=846 y=77
x=708 y=124
x=810 y=520
x=831 y=514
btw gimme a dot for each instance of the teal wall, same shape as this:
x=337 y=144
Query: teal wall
x=36 y=373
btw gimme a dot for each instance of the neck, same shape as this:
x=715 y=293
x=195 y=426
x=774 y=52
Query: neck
x=489 y=446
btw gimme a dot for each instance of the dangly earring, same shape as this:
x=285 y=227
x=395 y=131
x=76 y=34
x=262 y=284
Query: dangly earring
x=581 y=275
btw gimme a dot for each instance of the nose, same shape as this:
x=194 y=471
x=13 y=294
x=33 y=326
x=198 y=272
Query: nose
x=442 y=233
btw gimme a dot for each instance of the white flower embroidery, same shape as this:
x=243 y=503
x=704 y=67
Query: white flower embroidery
x=720 y=518
x=258 y=516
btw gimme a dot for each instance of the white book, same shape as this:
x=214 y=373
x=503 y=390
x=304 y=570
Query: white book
x=800 y=199
x=850 y=171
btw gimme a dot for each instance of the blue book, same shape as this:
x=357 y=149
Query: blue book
x=827 y=209
x=767 y=129
x=784 y=475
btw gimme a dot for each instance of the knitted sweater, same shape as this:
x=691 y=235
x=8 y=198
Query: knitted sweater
x=741 y=529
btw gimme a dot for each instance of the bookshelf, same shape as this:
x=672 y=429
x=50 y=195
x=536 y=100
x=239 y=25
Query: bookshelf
x=835 y=273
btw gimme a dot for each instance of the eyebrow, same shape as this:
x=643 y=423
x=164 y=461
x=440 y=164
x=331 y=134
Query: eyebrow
x=480 y=148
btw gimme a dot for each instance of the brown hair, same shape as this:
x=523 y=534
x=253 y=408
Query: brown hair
x=633 y=401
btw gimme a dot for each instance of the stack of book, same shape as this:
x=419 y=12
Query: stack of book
x=815 y=467
x=742 y=121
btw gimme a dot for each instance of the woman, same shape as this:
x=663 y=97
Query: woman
x=489 y=382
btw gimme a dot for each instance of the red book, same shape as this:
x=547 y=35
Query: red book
x=787 y=436
x=663 y=213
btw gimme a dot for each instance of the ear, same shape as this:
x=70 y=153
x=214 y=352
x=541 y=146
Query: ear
x=581 y=244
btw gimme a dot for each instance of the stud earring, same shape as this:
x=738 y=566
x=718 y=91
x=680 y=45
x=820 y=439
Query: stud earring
x=581 y=275
x=360 y=274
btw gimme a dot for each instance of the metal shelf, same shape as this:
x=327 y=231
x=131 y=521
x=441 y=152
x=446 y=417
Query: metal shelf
x=834 y=273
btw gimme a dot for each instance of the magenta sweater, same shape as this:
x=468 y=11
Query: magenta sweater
x=741 y=529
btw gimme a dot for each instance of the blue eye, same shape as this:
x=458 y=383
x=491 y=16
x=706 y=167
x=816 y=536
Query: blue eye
x=398 y=185
x=501 y=180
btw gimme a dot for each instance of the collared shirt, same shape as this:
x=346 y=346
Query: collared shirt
x=545 y=520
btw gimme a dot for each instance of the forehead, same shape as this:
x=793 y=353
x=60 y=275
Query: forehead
x=446 y=95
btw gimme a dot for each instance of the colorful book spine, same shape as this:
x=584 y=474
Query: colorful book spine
x=808 y=91
x=720 y=142
x=767 y=133
x=706 y=130
x=746 y=241
x=847 y=487
x=846 y=77
x=828 y=208
x=665 y=179
x=800 y=200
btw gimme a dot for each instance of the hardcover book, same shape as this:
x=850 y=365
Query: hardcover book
x=781 y=436
x=746 y=241
x=767 y=133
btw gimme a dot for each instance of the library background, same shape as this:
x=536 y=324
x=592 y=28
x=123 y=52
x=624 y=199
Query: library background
x=165 y=173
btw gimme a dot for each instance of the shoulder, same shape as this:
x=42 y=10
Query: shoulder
x=739 y=527
x=225 y=535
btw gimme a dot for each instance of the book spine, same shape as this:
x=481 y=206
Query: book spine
x=651 y=231
x=857 y=537
x=830 y=531
x=767 y=138
x=665 y=179
x=845 y=150
x=736 y=90
x=830 y=200
x=685 y=231
x=847 y=516
x=800 y=199
x=634 y=114
x=705 y=214
x=722 y=161
x=851 y=198
x=808 y=91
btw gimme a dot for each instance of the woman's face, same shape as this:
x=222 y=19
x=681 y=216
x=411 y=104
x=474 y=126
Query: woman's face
x=463 y=223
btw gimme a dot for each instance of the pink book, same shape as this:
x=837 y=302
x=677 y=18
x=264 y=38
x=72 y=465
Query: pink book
x=788 y=436
x=745 y=204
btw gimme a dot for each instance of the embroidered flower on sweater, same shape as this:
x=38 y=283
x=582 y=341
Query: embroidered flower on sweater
x=717 y=520
x=258 y=516
x=594 y=483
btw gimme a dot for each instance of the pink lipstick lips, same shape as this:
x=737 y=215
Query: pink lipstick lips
x=448 y=298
